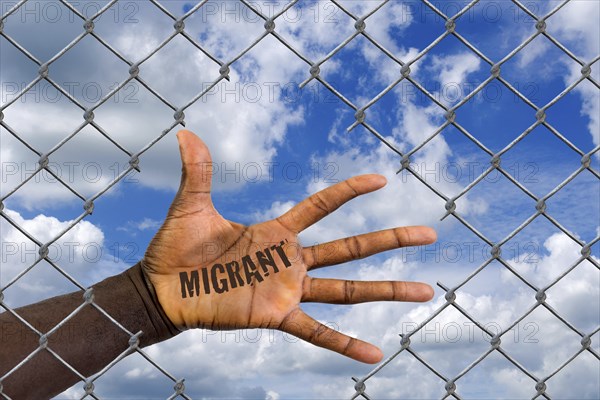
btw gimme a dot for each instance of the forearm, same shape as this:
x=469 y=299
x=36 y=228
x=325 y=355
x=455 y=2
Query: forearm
x=88 y=341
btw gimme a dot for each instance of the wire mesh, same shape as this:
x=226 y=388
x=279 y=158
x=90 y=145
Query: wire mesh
x=221 y=72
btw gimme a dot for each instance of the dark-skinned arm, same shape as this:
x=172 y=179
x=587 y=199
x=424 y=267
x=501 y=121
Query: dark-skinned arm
x=88 y=341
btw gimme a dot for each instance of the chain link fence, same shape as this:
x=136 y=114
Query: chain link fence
x=449 y=385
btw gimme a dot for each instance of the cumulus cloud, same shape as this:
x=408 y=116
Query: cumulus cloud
x=454 y=68
x=450 y=342
x=583 y=281
x=394 y=205
x=80 y=252
x=243 y=121
x=145 y=224
x=574 y=26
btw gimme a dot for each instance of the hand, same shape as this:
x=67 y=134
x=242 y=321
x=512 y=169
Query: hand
x=212 y=273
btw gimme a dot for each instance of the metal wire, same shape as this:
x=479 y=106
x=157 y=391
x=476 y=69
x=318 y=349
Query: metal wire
x=222 y=69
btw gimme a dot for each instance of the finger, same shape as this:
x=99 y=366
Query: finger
x=320 y=204
x=361 y=246
x=337 y=291
x=306 y=328
x=196 y=164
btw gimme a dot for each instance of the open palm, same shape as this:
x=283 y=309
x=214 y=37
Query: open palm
x=209 y=272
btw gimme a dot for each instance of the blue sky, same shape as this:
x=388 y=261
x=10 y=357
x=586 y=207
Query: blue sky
x=304 y=131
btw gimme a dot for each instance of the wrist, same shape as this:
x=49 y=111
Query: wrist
x=165 y=328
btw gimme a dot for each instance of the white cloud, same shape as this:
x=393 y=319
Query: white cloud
x=577 y=23
x=395 y=205
x=575 y=26
x=391 y=206
x=568 y=294
x=277 y=208
x=143 y=225
x=255 y=124
x=80 y=252
x=450 y=342
x=454 y=68
x=533 y=51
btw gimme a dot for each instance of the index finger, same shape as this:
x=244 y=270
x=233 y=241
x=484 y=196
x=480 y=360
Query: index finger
x=321 y=204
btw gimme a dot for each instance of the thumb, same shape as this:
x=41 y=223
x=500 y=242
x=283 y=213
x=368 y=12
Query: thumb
x=196 y=163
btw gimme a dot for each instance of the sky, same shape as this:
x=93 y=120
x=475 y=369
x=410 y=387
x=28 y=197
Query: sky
x=274 y=144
